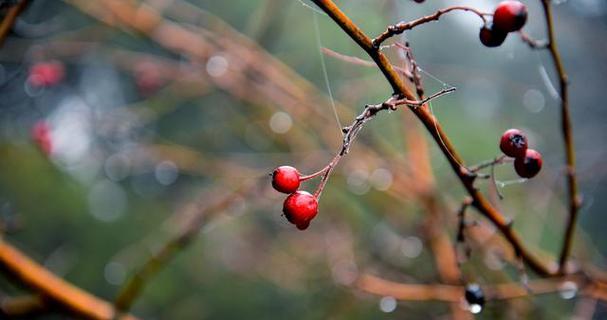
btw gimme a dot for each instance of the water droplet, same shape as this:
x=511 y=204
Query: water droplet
x=281 y=122
x=217 y=66
x=381 y=179
x=114 y=273
x=534 y=100
x=475 y=308
x=166 y=172
x=358 y=182
x=568 y=290
x=387 y=304
x=411 y=247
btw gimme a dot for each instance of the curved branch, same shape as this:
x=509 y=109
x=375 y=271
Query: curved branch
x=430 y=122
x=53 y=288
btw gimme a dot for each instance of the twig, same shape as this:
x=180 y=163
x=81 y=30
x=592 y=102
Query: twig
x=489 y=163
x=572 y=188
x=432 y=125
x=10 y=18
x=404 y=26
x=53 y=288
x=351 y=132
x=533 y=44
x=359 y=61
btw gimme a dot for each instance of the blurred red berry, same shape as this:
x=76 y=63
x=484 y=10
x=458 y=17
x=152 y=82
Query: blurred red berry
x=300 y=208
x=285 y=179
x=491 y=37
x=513 y=143
x=46 y=74
x=509 y=16
x=41 y=134
x=529 y=165
x=148 y=77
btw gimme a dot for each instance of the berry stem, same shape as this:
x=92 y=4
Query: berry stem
x=314 y=175
x=489 y=163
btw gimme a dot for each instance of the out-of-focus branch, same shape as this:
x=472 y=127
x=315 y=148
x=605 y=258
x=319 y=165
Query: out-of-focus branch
x=572 y=188
x=22 y=306
x=54 y=289
x=135 y=285
x=431 y=123
x=451 y=293
x=10 y=18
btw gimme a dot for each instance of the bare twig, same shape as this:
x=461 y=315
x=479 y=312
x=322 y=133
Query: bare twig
x=404 y=26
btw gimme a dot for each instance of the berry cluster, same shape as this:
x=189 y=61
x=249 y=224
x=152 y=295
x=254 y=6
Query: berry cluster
x=527 y=162
x=509 y=16
x=300 y=207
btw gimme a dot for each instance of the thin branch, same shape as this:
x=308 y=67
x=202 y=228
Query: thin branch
x=533 y=43
x=431 y=123
x=489 y=163
x=404 y=26
x=56 y=290
x=351 y=131
x=359 y=61
x=572 y=188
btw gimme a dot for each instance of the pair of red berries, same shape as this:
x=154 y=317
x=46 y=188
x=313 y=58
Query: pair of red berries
x=509 y=16
x=300 y=207
x=527 y=162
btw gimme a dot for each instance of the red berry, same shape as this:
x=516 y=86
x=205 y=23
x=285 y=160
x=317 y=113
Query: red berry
x=300 y=208
x=513 y=143
x=509 y=16
x=46 y=74
x=285 y=179
x=41 y=134
x=148 y=77
x=529 y=165
x=491 y=37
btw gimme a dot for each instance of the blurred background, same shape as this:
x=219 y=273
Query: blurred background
x=124 y=124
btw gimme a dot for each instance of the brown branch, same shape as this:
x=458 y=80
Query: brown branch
x=404 y=26
x=22 y=306
x=452 y=293
x=572 y=188
x=10 y=18
x=53 y=288
x=431 y=123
